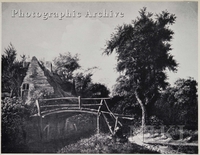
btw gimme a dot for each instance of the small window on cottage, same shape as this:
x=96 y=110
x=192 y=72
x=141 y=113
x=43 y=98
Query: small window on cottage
x=25 y=91
x=25 y=86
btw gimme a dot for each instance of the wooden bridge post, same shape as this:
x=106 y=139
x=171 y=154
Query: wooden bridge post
x=98 y=117
x=38 y=107
x=40 y=119
x=79 y=102
x=116 y=122
x=98 y=123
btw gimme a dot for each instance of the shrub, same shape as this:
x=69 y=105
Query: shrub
x=154 y=120
x=103 y=143
x=178 y=105
x=14 y=116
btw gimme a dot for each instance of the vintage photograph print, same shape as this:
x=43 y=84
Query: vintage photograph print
x=99 y=77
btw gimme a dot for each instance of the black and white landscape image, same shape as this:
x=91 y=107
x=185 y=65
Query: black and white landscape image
x=99 y=77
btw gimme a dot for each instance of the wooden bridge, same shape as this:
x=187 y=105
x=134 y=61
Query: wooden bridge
x=96 y=106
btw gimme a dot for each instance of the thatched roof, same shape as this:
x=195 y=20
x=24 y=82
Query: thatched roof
x=39 y=76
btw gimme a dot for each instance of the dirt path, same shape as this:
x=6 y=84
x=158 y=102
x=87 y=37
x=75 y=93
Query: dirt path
x=163 y=144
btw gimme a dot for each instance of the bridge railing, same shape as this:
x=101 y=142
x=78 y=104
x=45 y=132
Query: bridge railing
x=77 y=105
x=76 y=102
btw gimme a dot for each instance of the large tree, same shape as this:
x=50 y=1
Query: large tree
x=143 y=56
x=13 y=71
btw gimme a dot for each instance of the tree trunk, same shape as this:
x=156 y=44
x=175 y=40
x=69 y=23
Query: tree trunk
x=144 y=114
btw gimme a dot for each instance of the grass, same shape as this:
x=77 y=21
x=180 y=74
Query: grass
x=103 y=143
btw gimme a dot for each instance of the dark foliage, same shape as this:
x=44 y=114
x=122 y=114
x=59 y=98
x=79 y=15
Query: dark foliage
x=179 y=104
x=13 y=71
x=14 y=115
x=65 y=65
x=86 y=88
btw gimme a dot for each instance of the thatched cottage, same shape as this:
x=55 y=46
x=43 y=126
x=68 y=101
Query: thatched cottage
x=40 y=80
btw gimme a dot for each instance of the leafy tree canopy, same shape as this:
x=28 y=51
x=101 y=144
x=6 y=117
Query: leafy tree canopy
x=85 y=87
x=179 y=104
x=142 y=49
x=186 y=91
x=13 y=71
x=82 y=84
x=99 y=90
x=65 y=64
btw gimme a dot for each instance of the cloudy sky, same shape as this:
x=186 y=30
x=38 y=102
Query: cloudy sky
x=43 y=30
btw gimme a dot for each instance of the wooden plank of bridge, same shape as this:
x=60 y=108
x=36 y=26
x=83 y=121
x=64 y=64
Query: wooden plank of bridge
x=65 y=98
x=86 y=105
x=60 y=98
x=104 y=98
x=69 y=105
x=69 y=110
x=60 y=105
